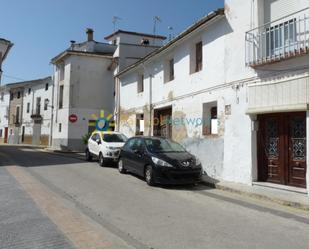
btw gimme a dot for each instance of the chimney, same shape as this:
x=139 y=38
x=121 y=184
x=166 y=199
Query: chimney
x=72 y=44
x=89 y=33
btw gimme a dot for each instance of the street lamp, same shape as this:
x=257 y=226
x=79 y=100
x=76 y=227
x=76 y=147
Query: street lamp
x=51 y=120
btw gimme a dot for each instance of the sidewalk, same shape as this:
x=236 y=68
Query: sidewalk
x=296 y=198
x=23 y=224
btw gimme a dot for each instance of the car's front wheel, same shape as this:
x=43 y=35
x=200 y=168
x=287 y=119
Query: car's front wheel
x=121 y=167
x=101 y=160
x=149 y=175
x=88 y=156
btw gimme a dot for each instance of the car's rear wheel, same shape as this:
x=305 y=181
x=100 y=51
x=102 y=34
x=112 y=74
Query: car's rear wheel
x=101 y=160
x=88 y=156
x=121 y=167
x=149 y=175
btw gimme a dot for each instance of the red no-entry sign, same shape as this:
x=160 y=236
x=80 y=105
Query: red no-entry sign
x=73 y=118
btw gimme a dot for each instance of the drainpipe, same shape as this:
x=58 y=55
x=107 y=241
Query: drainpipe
x=117 y=102
x=150 y=99
x=21 y=115
x=52 y=114
x=150 y=104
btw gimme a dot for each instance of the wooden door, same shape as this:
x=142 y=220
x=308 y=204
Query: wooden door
x=296 y=174
x=163 y=122
x=271 y=147
x=282 y=148
x=6 y=134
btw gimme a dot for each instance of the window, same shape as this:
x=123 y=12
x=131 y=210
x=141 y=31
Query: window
x=11 y=96
x=61 y=97
x=281 y=38
x=96 y=137
x=210 y=119
x=2 y=96
x=46 y=101
x=161 y=145
x=134 y=144
x=198 y=56
x=139 y=124
x=17 y=115
x=0 y=132
x=171 y=67
x=38 y=106
x=18 y=94
x=61 y=72
x=129 y=144
x=28 y=107
x=59 y=127
x=169 y=70
x=29 y=90
x=140 y=83
x=114 y=138
x=46 y=87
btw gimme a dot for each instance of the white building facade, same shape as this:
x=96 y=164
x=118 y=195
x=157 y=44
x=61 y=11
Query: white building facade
x=37 y=113
x=84 y=83
x=233 y=88
x=4 y=114
x=28 y=112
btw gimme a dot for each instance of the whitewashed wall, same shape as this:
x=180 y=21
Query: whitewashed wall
x=88 y=88
x=37 y=90
x=225 y=78
x=4 y=110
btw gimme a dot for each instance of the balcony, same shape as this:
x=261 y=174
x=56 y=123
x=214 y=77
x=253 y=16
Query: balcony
x=37 y=118
x=282 y=39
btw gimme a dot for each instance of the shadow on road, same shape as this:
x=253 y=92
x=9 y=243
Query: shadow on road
x=34 y=157
x=29 y=156
x=188 y=187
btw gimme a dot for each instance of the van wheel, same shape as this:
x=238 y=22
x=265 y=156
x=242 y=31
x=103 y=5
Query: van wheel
x=88 y=156
x=121 y=167
x=101 y=160
x=149 y=176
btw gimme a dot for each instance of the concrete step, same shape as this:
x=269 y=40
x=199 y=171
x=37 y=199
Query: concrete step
x=287 y=196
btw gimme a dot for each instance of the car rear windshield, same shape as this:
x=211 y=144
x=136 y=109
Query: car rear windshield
x=161 y=145
x=114 y=138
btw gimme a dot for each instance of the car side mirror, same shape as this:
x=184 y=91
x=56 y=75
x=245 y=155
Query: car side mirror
x=98 y=141
x=138 y=151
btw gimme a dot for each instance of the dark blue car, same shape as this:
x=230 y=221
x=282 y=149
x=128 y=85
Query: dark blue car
x=159 y=161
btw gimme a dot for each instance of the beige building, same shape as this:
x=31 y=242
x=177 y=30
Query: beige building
x=30 y=112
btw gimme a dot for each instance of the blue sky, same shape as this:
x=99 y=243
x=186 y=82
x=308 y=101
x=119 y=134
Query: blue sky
x=40 y=29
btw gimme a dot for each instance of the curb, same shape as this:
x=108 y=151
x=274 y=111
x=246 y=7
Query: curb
x=283 y=202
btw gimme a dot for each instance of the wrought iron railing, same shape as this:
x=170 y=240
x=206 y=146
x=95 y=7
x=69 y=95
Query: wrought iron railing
x=281 y=39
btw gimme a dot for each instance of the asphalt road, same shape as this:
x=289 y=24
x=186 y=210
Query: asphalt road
x=73 y=203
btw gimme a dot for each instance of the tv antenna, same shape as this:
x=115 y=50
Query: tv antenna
x=170 y=35
x=115 y=20
x=156 y=20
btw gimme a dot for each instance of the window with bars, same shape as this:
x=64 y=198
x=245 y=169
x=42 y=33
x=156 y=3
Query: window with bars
x=281 y=38
x=198 y=56
x=28 y=107
x=140 y=83
x=61 y=97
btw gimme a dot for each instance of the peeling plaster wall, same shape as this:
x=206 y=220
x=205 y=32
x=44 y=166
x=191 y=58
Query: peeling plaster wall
x=223 y=156
x=232 y=155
